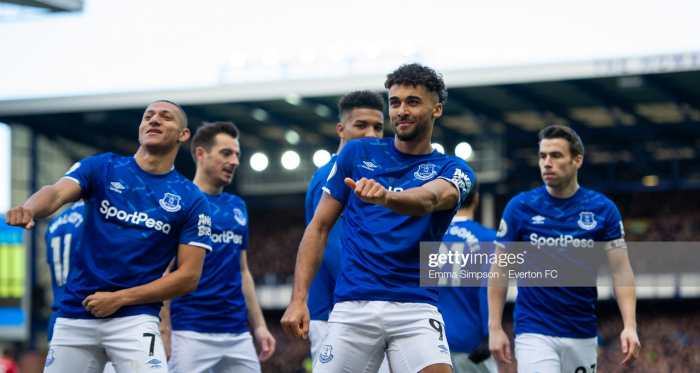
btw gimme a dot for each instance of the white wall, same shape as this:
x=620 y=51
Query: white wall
x=136 y=45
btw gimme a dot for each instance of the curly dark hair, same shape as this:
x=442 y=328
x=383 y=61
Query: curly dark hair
x=360 y=100
x=415 y=74
x=204 y=136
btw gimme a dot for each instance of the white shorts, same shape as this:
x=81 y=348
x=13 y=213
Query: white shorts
x=194 y=352
x=317 y=334
x=131 y=343
x=360 y=332
x=462 y=364
x=538 y=353
x=109 y=368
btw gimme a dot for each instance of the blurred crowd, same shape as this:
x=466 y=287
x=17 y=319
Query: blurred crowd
x=274 y=240
x=663 y=216
x=670 y=341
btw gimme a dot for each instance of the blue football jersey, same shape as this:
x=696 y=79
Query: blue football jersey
x=134 y=222
x=573 y=233
x=465 y=309
x=61 y=238
x=218 y=304
x=320 y=300
x=380 y=259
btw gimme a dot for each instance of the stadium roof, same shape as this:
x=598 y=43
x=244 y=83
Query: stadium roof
x=633 y=127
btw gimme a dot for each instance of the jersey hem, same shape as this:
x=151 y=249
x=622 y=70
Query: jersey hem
x=558 y=335
x=212 y=331
x=71 y=178
x=84 y=316
x=451 y=181
x=203 y=246
x=382 y=299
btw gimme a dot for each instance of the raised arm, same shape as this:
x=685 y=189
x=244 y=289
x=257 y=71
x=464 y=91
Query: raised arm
x=176 y=284
x=43 y=203
x=296 y=319
x=434 y=196
x=499 y=344
x=626 y=294
x=255 y=315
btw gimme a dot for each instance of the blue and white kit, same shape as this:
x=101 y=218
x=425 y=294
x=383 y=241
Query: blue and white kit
x=320 y=300
x=134 y=222
x=573 y=232
x=380 y=307
x=62 y=237
x=380 y=258
x=218 y=304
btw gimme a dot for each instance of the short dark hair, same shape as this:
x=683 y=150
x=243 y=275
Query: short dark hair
x=182 y=111
x=416 y=74
x=566 y=133
x=204 y=136
x=469 y=201
x=360 y=100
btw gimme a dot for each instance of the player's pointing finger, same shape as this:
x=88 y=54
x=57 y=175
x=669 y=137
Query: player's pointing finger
x=349 y=182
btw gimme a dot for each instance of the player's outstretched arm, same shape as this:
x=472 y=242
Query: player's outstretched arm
x=433 y=196
x=255 y=315
x=499 y=344
x=626 y=294
x=176 y=284
x=296 y=319
x=43 y=203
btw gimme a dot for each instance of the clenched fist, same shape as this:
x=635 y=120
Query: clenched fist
x=20 y=217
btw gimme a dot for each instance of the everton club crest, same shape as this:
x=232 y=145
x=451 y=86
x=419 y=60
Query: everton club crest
x=326 y=354
x=170 y=202
x=425 y=172
x=238 y=215
x=587 y=220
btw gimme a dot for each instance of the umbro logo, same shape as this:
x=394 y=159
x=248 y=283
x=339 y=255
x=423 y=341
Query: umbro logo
x=369 y=165
x=117 y=187
x=154 y=361
x=539 y=219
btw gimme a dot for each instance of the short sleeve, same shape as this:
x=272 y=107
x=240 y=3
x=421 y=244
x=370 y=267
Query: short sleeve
x=244 y=243
x=86 y=174
x=508 y=228
x=460 y=175
x=47 y=239
x=343 y=167
x=313 y=195
x=614 y=234
x=484 y=308
x=196 y=229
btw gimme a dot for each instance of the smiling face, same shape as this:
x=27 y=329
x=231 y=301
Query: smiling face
x=221 y=162
x=162 y=126
x=412 y=111
x=362 y=123
x=557 y=167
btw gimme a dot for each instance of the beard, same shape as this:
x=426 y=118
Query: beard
x=412 y=133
